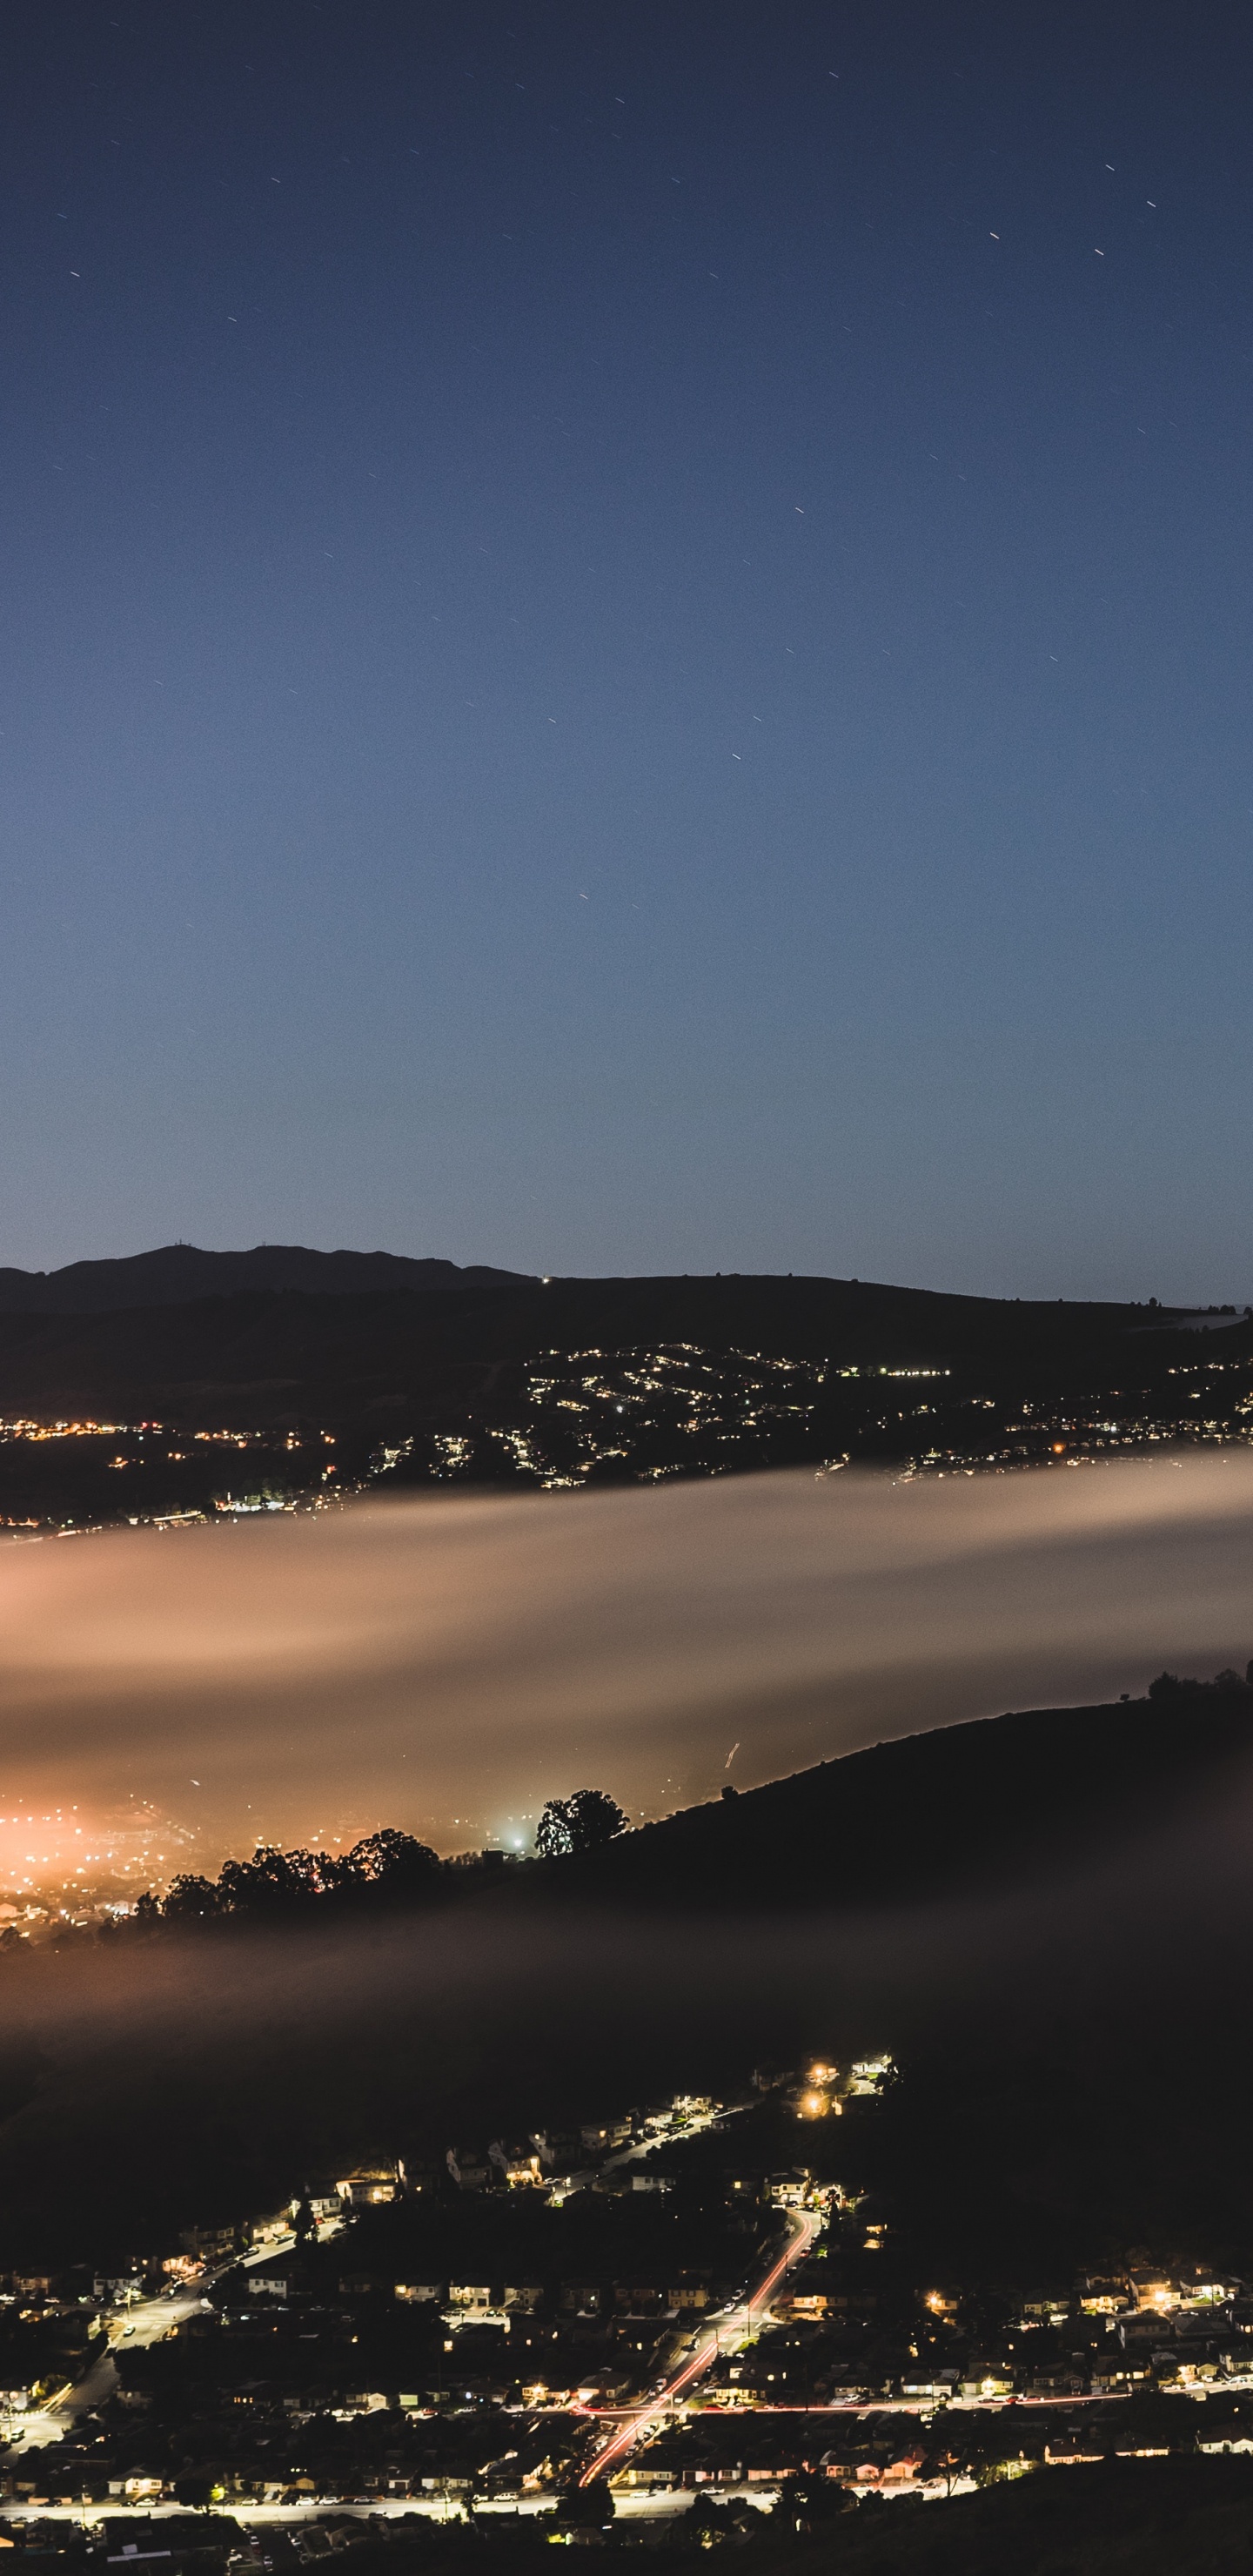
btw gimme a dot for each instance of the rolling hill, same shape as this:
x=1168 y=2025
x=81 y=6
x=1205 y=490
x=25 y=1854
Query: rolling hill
x=959 y=1811
x=275 y=1350
x=178 y=1273
x=418 y=1372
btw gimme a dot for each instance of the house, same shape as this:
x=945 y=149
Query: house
x=903 y=2470
x=988 y=2379
x=1197 y=2326
x=1152 y=2289
x=869 y=2074
x=468 y=2172
x=323 y=2204
x=601 y=2141
x=557 y=2147
x=691 y=2297
x=789 y=2190
x=1102 y=2296
x=367 y=2188
x=602 y=2387
x=270 y=2231
x=1199 y=2282
x=212 y=2245
x=743 y=2186
x=1143 y=2326
x=640 y=2299
x=1045 y=2310
x=580 y=2298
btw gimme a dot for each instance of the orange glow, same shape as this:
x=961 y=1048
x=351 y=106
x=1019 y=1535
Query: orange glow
x=460 y=1659
x=57 y=1858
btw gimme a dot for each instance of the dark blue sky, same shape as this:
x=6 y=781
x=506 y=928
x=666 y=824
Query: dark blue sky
x=628 y=635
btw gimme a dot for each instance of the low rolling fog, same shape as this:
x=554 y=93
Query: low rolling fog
x=446 y=1664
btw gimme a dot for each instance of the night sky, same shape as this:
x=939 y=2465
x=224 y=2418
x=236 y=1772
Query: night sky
x=627 y=635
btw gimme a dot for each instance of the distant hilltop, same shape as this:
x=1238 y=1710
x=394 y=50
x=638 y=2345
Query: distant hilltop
x=418 y=1374
x=745 y=1310
x=180 y=1273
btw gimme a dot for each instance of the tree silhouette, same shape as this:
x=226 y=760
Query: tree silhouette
x=394 y=1863
x=191 y=1899
x=272 y=1882
x=583 y=1822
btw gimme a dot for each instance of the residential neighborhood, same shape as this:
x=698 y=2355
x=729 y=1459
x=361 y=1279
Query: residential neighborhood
x=684 y=2300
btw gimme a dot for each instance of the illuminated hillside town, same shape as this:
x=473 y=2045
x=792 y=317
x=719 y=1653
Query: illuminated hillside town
x=587 y=1417
x=618 y=2324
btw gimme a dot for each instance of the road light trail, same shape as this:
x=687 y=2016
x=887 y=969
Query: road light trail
x=138 y=2323
x=806 y=2224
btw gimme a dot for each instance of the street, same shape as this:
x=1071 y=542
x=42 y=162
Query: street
x=725 y=2333
x=144 y=2321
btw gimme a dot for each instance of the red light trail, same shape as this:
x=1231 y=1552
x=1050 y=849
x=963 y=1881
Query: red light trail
x=807 y=2226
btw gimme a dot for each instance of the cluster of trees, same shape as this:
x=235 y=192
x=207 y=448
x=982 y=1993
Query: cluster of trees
x=1227 y=1683
x=387 y=1868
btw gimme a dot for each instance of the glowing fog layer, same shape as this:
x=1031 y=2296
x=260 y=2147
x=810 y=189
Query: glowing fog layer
x=448 y=1664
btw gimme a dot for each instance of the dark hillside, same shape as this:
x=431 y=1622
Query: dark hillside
x=961 y=1809
x=1080 y=2091
x=1118 y=2517
x=562 y=1382
x=267 y=1354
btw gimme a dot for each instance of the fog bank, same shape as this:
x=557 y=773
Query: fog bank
x=447 y=1663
